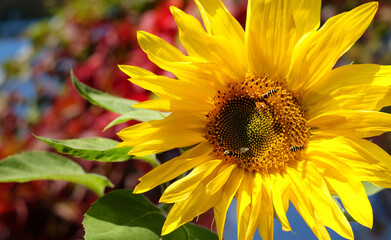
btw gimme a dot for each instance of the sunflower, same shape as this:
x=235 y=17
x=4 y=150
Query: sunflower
x=268 y=118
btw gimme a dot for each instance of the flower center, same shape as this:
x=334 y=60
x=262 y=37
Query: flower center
x=258 y=124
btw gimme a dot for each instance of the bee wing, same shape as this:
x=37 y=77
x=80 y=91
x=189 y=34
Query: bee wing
x=243 y=150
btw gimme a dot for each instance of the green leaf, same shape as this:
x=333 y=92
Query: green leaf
x=123 y=215
x=115 y=104
x=371 y=189
x=191 y=231
x=29 y=166
x=95 y=149
x=104 y=100
x=141 y=115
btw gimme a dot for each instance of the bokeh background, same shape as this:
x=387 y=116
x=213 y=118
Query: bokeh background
x=41 y=40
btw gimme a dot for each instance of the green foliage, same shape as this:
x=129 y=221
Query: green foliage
x=115 y=104
x=95 y=149
x=141 y=115
x=29 y=166
x=123 y=215
x=104 y=100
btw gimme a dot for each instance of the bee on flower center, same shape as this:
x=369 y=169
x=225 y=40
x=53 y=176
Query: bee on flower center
x=296 y=148
x=254 y=122
x=238 y=153
x=268 y=94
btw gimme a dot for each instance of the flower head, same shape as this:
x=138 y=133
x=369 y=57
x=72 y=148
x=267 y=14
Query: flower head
x=270 y=120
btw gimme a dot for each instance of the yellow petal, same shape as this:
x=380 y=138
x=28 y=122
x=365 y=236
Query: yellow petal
x=217 y=183
x=167 y=57
x=351 y=123
x=349 y=189
x=346 y=76
x=270 y=36
x=200 y=201
x=256 y=202
x=319 y=52
x=228 y=193
x=212 y=48
x=172 y=105
x=369 y=162
x=357 y=97
x=243 y=207
x=168 y=140
x=170 y=88
x=175 y=167
x=156 y=46
x=218 y=21
x=280 y=185
x=181 y=190
x=371 y=152
x=354 y=199
x=161 y=135
x=266 y=213
x=300 y=199
x=185 y=211
x=133 y=71
x=187 y=121
x=325 y=207
x=307 y=16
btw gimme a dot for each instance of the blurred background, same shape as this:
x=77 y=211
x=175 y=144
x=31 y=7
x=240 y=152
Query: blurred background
x=41 y=40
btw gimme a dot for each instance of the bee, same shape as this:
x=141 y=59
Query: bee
x=243 y=150
x=262 y=100
x=239 y=153
x=269 y=94
x=227 y=153
x=295 y=148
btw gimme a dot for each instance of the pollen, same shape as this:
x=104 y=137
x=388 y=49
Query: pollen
x=258 y=124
